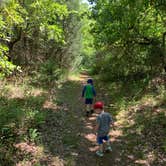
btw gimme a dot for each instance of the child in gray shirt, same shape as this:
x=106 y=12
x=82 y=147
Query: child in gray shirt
x=104 y=120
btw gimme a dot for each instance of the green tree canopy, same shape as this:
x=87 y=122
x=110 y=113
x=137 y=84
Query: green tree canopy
x=131 y=32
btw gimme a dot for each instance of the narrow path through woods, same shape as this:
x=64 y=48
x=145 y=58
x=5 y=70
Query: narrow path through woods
x=68 y=134
x=71 y=135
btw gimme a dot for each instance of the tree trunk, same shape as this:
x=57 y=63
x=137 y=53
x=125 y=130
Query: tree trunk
x=164 y=50
x=13 y=42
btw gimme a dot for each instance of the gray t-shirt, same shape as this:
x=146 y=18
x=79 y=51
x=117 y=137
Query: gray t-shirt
x=104 y=120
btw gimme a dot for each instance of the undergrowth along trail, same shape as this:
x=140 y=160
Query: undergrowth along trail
x=49 y=127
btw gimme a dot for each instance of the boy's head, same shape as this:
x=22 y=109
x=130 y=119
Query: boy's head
x=98 y=106
x=90 y=81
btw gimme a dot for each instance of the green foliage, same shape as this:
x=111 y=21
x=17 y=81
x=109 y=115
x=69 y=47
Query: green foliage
x=47 y=73
x=139 y=110
x=20 y=121
x=88 y=48
x=6 y=67
x=48 y=16
x=33 y=135
x=7 y=134
x=131 y=34
x=49 y=68
x=34 y=30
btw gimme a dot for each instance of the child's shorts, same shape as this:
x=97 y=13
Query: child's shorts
x=88 y=101
x=100 y=139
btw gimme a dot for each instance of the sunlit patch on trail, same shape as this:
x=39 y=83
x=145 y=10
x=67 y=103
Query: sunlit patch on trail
x=90 y=137
x=23 y=163
x=56 y=161
x=35 y=153
x=20 y=91
x=37 y=92
x=151 y=157
x=52 y=160
x=93 y=149
x=88 y=127
x=50 y=105
x=113 y=139
x=88 y=123
x=92 y=118
x=131 y=157
x=15 y=92
x=116 y=133
x=81 y=78
x=26 y=148
x=141 y=162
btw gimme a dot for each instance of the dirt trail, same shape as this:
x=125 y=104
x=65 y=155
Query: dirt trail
x=69 y=139
x=88 y=143
x=76 y=143
x=66 y=137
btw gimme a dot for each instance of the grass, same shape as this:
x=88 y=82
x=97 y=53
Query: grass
x=21 y=113
x=138 y=107
x=70 y=141
x=139 y=110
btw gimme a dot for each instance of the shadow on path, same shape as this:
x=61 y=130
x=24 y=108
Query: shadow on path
x=69 y=134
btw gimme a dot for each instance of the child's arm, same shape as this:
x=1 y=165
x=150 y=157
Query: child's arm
x=96 y=127
x=94 y=92
x=83 y=91
x=112 y=124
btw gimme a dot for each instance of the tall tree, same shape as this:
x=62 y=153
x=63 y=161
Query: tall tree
x=132 y=33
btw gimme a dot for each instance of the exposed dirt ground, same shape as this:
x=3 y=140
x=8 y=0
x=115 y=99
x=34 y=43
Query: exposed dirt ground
x=72 y=140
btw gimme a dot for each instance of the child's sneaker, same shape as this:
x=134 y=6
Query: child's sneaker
x=109 y=149
x=99 y=153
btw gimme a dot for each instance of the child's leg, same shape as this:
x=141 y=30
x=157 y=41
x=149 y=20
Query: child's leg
x=88 y=103
x=91 y=106
x=101 y=148
x=87 y=109
x=91 y=109
x=100 y=142
x=108 y=143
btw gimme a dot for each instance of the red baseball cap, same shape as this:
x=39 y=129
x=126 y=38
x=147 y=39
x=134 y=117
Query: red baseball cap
x=98 y=104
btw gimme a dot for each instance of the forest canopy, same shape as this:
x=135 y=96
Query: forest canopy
x=129 y=36
x=33 y=32
x=114 y=38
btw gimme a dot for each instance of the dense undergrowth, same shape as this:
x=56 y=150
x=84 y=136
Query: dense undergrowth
x=139 y=107
x=28 y=106
x=22 y=114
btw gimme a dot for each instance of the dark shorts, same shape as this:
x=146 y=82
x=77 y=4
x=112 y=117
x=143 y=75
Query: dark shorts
x=100 y=139
x=88 y=101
